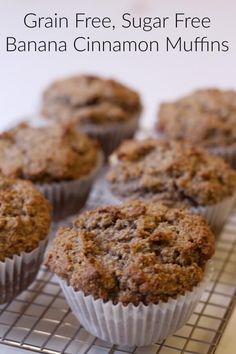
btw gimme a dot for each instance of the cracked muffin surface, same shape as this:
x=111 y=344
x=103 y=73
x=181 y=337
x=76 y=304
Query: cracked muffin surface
x=46 y=154
x=132 y=253
x=24 y=217
x=173 y=172
x=206 y=117
x=89 y=99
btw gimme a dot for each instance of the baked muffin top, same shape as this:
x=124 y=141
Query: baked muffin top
x=46 y=154
x=174 y=172
x=206 y=117
x=90 y=100
x=131 y=253
x=24 y=217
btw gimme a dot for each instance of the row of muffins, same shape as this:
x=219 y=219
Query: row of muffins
x=121 y=267
x=61 y=162
x=131 y=264
x=66 y=164
x=110 y=112
x=45 y=172
x=133 y=273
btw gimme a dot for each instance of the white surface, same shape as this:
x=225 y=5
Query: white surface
x=158 y=76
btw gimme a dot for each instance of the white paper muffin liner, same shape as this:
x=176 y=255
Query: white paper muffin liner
x=68 y=197
x=228 y=153
x=216 y=215
x=134 y=325
x=111 y=136
x=17 y=273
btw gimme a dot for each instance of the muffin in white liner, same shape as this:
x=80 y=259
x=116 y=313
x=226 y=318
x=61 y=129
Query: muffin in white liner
x=18 y=272
x=175 y=173
x=132 y=268
x=103 y=108
x=205 y=118
x=25 y=217
x=134 y=325
x=61 y=162
x=68 y=197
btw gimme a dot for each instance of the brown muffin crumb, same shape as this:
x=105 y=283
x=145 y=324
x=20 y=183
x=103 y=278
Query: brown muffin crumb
x=131 y=253
x=46 y=154
x=174 y=172
x=24 y=217
x=89 y=99
x=206 y=117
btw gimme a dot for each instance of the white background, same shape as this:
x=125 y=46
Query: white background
x=158 y=76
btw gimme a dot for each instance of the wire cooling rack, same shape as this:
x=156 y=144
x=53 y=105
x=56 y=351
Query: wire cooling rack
x=39 y=320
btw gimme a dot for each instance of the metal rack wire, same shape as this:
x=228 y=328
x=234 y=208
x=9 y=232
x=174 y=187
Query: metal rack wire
x=39 y=320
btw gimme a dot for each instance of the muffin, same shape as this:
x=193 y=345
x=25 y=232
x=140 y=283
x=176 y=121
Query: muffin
x=175 y=173
x=132 y=273
x=24 y=226
x=61 y=162
x=102 y=108
x=206 y=118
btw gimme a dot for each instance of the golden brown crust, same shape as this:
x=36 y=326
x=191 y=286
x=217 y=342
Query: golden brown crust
x=24 y=217
x=170 y=171
x=206 y=117
x=135 y=252
x=46 y=154
x=90 y=100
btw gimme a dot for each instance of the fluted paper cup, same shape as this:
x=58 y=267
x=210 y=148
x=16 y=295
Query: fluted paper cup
x=216 y=215
x=18 y=272
x=110 y=136
x=134 y=325
x=68 y=197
